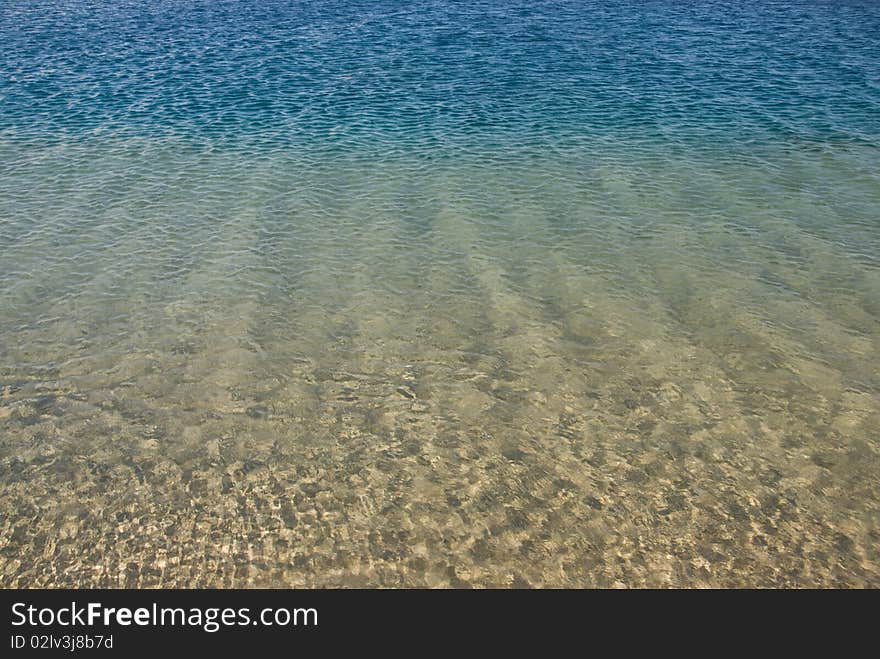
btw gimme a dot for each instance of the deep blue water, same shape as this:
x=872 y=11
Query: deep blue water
x=432 y=74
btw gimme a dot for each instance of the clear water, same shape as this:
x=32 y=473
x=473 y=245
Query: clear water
x=439 y=294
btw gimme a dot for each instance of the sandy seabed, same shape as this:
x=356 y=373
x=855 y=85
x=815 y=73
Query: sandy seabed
x=460 y=401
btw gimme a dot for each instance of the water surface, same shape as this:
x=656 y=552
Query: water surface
x=463 y=294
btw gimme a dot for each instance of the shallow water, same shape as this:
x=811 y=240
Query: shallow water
x=575 y=294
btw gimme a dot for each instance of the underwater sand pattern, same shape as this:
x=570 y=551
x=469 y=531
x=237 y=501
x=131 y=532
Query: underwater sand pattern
x=594 y=367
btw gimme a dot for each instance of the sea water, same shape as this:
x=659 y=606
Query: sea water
x=477 y=293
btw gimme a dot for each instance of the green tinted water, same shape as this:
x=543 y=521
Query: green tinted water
x=587 y=365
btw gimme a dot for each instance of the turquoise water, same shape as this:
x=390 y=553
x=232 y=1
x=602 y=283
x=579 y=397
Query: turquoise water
x=456 y=294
